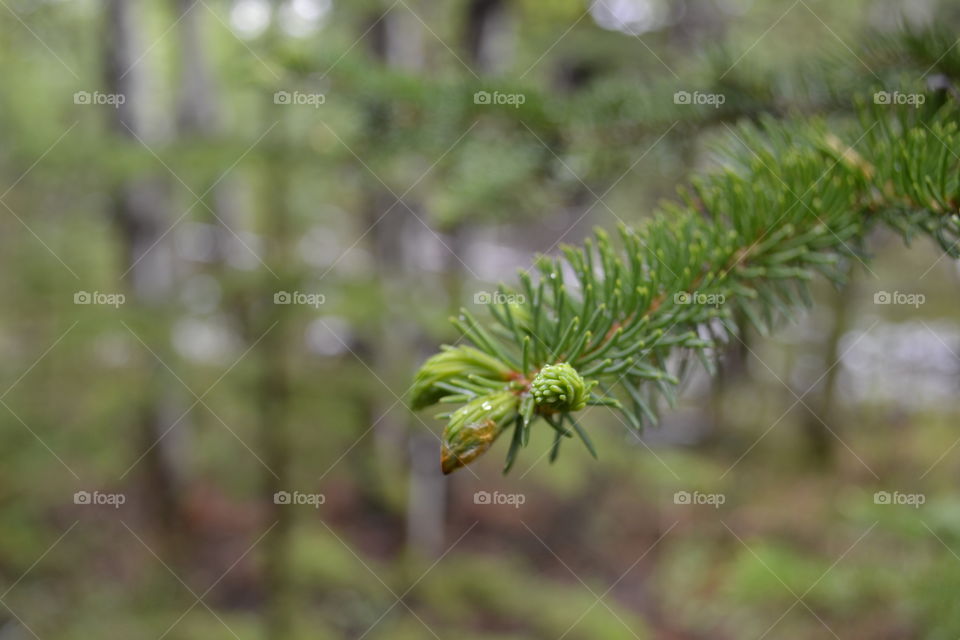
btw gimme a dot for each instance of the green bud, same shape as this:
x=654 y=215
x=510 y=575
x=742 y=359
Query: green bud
x=453 y=362
x=474 y=427
x=560 y=387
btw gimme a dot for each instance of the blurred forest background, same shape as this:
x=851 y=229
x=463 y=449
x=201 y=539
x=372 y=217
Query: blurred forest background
x=232 y=229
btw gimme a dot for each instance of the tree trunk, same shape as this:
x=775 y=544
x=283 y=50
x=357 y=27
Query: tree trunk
x=487 y=36
x=141 y=215
x=273 y=398
x=199 y=119
x=821 y=408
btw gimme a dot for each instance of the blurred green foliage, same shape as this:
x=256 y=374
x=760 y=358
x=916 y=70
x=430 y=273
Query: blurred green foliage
x=310 y=193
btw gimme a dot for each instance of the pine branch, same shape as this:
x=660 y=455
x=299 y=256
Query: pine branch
x=618 y=326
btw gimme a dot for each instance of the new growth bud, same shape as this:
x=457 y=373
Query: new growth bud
x=560 y=387
x=473 y=428
x=448 y=365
